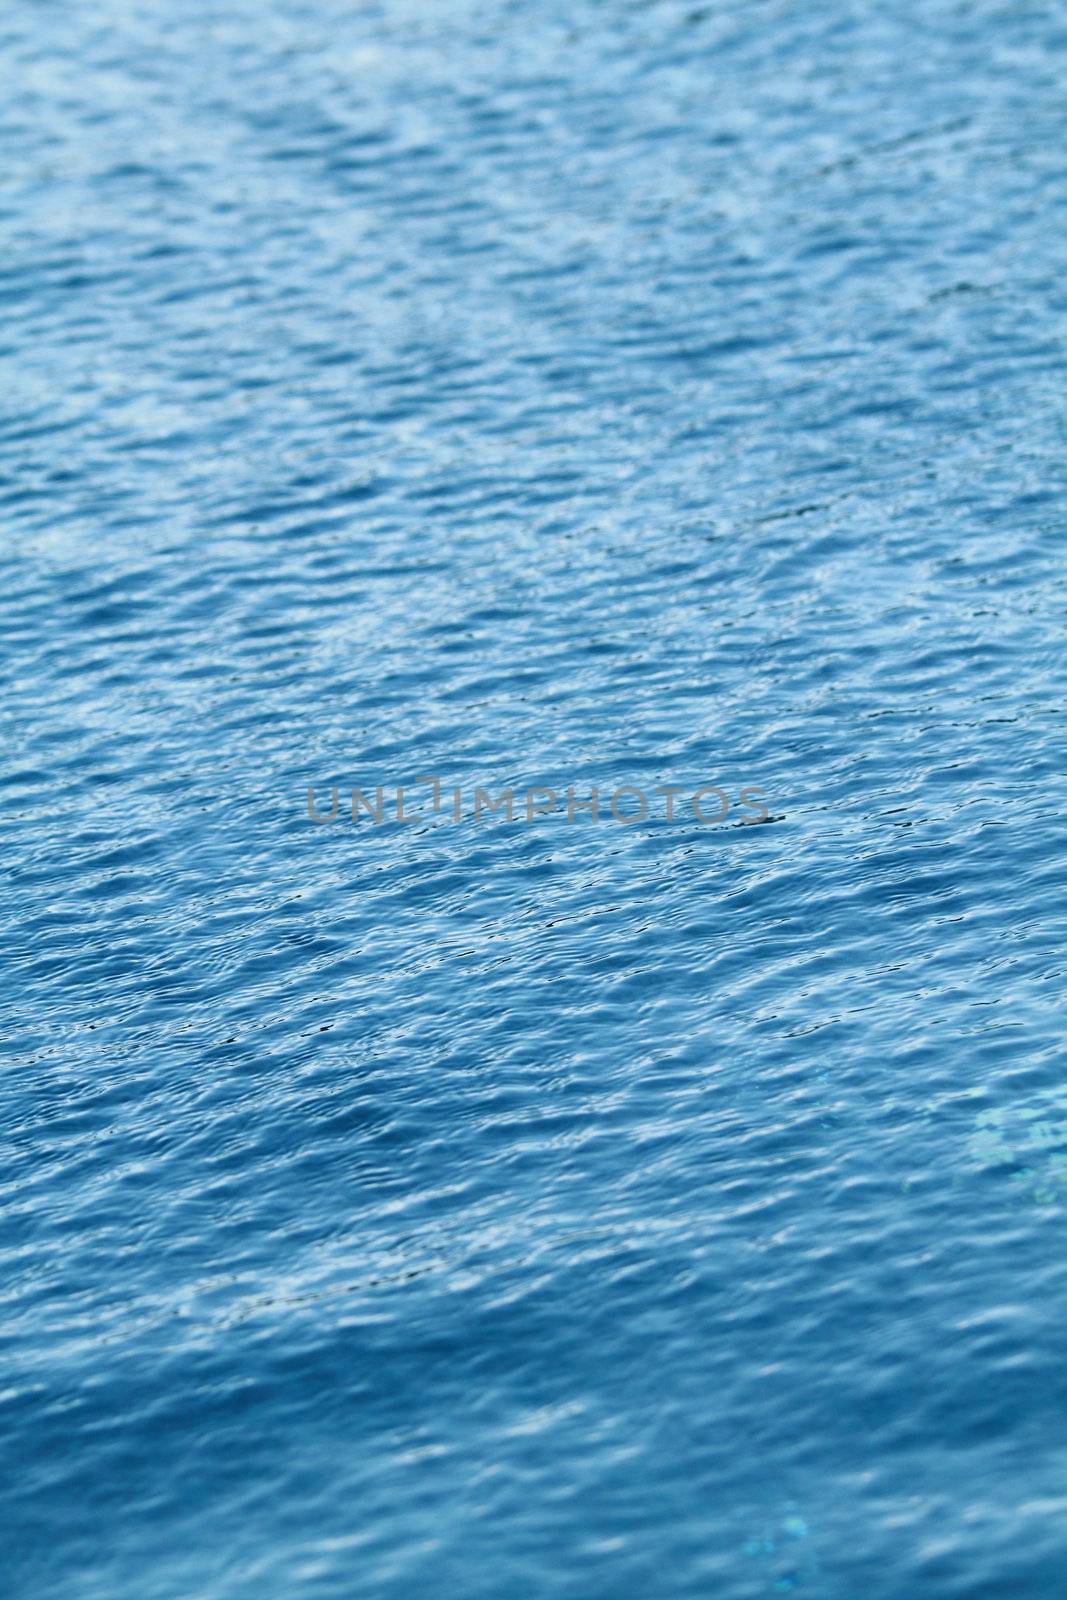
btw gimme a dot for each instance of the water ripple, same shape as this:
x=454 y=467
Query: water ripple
x=603 y=394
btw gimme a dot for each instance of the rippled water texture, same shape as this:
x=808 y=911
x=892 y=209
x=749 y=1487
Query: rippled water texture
x=585 y=392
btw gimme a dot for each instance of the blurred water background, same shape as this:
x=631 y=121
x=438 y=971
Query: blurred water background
x=572 y=391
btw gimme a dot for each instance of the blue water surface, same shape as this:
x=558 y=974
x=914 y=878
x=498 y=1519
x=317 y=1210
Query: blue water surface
x=585 y=392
